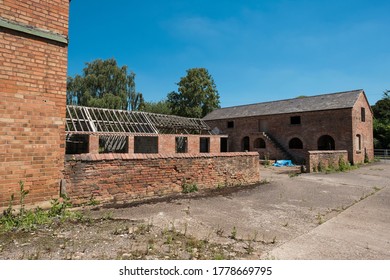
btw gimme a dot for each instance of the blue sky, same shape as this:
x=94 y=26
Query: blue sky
x=256 y=50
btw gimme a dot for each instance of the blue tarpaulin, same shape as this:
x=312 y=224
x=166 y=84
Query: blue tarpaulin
x=284 y=162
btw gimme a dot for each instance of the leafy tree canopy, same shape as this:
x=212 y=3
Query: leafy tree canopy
x=160 y=107
x=197 y=95
x=104 y=84
x=381 y=108
x=381 y=111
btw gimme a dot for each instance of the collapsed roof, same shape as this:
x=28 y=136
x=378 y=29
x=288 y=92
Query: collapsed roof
x=87 y=120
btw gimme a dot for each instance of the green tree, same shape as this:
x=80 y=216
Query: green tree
x=104 y=84
x=381 y=111
x=160 y=107
x=197 y=95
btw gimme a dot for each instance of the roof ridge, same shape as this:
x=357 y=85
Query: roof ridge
x=303 y=97
x=337 y=100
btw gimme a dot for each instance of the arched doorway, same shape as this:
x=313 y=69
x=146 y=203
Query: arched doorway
x=259 y=143
x=295 y=143
x=245 y=144
x=325 y=143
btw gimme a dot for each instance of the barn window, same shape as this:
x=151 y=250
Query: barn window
x=181 y=144
x=363 y=114
x=224 y=145
x=295 y=143
x=77 y=144
x=204 y=145
x=145 y=144
x=295 y=120
x=230 y=124
x=259 y=143
x=358 y=142
x=113 y=144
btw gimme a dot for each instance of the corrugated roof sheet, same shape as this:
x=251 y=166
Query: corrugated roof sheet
x=339 y=100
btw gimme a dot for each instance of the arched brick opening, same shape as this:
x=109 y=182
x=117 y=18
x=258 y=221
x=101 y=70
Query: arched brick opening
x=295 y=143
x=326 y=143
x=259 y=143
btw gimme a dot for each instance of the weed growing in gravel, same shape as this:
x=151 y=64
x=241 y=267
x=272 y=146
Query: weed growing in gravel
x=264 y=182
x=266 y=161
x=320 y=219
x=233 y=234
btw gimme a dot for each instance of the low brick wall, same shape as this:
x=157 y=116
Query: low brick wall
x=124 y=178
x=317 y=161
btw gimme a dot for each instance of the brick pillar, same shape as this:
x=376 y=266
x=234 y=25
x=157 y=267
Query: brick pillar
x=93 y=144
x=130 y=144
x=166 y=144
x=193 y=144
x=215 y=144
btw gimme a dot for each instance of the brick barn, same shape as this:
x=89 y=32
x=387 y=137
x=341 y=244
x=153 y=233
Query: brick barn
x=288 y=129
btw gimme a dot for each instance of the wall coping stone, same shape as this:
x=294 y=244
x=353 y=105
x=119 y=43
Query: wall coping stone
x=111 y=156
x=328 y=152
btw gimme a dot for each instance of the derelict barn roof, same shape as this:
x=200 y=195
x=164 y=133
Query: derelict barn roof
x=340 y=100
x=87 y=120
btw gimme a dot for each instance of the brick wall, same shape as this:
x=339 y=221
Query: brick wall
x=336 y=123
x=317 y=161
x=33 y=99
x=363 y=128
x=46 y=15
x=152 y=144
x=341 y=124
x=120 y=178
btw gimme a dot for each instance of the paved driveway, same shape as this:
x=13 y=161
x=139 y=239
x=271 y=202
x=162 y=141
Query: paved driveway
x=310 y=216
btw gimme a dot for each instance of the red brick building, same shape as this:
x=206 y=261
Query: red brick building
x=33 y=66
x=290 y=128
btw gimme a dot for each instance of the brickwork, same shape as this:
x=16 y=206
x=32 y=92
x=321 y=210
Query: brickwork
x=161 y=144
x=46 y=15
x=317 y=161
x=341 y=124
x=33 y=100
x=364 y=129
x=120 y=178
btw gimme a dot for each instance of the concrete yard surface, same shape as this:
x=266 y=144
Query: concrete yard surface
x=289 y=215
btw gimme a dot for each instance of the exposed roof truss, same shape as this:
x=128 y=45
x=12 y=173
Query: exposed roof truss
x=86 y=120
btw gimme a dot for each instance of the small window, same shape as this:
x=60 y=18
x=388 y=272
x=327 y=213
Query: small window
x=145 y=145
x=363 y=114
x=224 y=145
x=295 y=143
x=295 y=120
x=77 y=144
x=230 y=124
x=204 y=145
x=113 y=144
x=358 y=142
x=259 y=143
x=181 y=145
